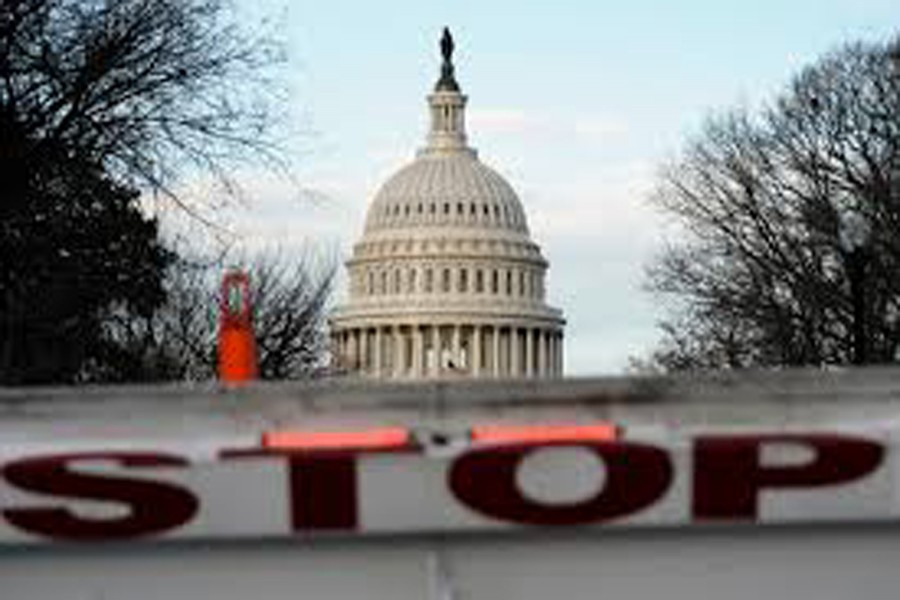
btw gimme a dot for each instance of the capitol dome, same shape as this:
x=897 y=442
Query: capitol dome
x=446 y=190
x=446 y=281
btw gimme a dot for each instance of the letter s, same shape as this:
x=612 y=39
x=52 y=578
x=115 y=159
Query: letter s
x=154 y=506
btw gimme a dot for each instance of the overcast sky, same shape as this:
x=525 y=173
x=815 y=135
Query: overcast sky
x=577 y=104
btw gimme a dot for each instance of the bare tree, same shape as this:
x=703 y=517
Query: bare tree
x=289 y=295
x=101 y=100
x=790 y=251
x=147 y=88
x=290 y=302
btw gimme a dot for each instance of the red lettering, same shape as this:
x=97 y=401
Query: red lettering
x=322 y=487
x=323 y=492
x=728 y=476
x=154 y=507
x=636 y=476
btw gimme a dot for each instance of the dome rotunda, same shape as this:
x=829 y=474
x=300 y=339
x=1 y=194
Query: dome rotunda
x=450 y=189
x=446 y=280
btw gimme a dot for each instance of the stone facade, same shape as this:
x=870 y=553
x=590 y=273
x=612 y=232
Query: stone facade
x=446 y=280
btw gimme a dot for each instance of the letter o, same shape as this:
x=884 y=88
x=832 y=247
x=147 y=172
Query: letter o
x=636 y=476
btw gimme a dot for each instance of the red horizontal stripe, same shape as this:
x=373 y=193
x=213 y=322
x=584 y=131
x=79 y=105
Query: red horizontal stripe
x=389 y=437
x=545 y=433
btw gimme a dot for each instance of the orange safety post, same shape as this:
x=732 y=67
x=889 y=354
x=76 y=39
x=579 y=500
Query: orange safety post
x=237 y=346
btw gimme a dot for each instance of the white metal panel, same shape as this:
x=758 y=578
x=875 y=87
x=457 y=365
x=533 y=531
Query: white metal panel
x=824 y=563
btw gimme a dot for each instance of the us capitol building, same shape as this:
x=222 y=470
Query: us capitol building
x=446 y=281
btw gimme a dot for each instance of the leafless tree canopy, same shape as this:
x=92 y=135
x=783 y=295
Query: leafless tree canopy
x=101 y=101
x=146 y=88
x=289 y=295
x=767 y=272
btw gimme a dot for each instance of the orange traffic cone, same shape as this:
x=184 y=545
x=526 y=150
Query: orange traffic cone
x=237 y=346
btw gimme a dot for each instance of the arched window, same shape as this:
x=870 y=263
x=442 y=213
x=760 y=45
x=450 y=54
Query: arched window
x=446 y=208
x=396 y=281
x=429 y=280
x=495 y=281
x=479 y=281
x=384 y=287
x=521 y=283
x=411 y=282
x=370 y=285
x=509 y=283
x=445 y=281
x=463 y=281
x=459 y=208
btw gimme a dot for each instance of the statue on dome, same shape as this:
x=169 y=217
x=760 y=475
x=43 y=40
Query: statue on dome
x=447 y=82
x=447 y=45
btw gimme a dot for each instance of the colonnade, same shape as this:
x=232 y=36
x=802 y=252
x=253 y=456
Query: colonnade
x=434 y=350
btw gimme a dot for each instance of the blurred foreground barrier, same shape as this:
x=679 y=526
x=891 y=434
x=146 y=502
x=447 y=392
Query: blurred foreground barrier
x=351 y=458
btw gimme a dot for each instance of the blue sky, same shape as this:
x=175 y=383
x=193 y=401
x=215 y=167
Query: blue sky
x=576 y=103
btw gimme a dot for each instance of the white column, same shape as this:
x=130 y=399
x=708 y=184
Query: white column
x=559 y=353
x=550 y=353
x=345 y=350
x=435 y=350
x=364 y=349
x=399 y=347
x=406 y=351
x=551 y=363
x=515 y=367
x=456 y=350
x=418 y=358
x=543 y=352
x=376 y=370
x=475 y=343
x=352 y=350
x=495 y=342
x=529 y=352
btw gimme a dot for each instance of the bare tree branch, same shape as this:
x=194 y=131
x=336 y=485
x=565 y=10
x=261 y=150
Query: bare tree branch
x=762 y=278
